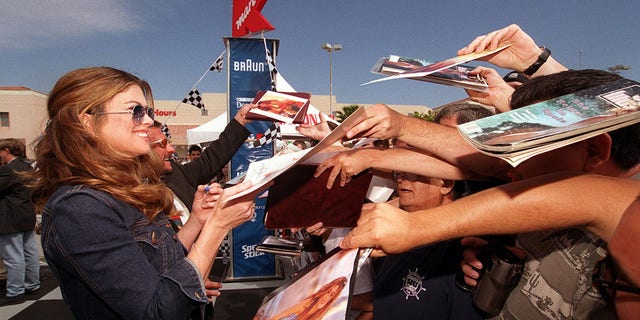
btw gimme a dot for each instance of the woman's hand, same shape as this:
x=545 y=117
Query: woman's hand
x=229 y=214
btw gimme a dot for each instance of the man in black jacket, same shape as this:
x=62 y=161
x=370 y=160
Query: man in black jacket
x=18 y=245
x=183 y=179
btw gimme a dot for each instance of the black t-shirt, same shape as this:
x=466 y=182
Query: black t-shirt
x=420 y=284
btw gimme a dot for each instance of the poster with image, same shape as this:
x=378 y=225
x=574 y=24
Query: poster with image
x=320 y=291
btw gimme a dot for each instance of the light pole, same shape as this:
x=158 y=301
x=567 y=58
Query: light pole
x=619 y=67
x=328 y=47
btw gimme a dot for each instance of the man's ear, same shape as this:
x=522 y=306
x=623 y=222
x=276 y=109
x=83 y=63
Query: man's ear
x=447 y=186
x=598 y=151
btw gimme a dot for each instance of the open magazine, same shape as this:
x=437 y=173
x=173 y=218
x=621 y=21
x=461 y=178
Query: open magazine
x=320 y=291
x=457 y=76
x=261 y=172
x=520 y=134
x=429 y=69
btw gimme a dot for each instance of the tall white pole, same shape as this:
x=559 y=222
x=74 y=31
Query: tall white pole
x=331 y=82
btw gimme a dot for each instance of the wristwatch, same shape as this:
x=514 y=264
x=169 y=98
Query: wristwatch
x=542 y=58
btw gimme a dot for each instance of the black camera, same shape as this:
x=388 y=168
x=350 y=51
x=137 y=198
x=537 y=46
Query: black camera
x=501 y=272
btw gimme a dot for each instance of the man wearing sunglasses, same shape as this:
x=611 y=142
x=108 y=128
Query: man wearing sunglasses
x=184 y=179
x=422 y=281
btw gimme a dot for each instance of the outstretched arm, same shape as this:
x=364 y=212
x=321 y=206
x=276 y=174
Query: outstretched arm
x=559 y=200
x=522 y=53
x=443 y=141
x=347 y=164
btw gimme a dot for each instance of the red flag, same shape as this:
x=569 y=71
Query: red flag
x=247 y=19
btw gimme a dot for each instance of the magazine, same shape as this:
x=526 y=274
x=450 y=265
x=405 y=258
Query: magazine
x=320 y=291
x=262 y=172
x=457 y=76
x=298 y=199
x=520 y=134
x=289 y=107
x=438 y=66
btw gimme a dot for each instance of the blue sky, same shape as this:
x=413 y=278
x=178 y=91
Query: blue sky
x=172 y=43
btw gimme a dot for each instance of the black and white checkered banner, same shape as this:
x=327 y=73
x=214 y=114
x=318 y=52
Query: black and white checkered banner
x=272 y=133
x=194 y=98
x=165 y=130
x=218 y=64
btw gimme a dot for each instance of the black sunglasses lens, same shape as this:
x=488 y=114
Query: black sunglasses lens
x=139 y=112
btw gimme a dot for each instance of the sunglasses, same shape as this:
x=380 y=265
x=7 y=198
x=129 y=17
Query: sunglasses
x=411 y=177
x=606 y=278
x=162 y=143
x=137 y=113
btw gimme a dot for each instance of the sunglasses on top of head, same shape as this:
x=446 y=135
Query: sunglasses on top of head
x=137 y=113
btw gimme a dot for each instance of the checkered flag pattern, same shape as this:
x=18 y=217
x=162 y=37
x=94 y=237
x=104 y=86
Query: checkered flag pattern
x=272 y=69
x=165 y=129
x=272 y=66
x=225 y=247
x=272 y=133
x=194 y=98
x=218 y=64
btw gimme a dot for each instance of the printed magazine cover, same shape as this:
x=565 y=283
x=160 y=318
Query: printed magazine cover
x=321 y=291
x=279 y=106
x=562 y=121
x=439 y=66
x=457 y=76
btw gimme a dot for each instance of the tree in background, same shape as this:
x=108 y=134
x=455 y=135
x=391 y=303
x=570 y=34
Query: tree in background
x=346 y=111
x=429 y=115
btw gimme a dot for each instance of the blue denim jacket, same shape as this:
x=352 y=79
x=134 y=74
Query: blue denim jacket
x=113 y=262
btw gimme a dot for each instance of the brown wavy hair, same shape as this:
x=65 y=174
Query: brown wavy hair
x=69 y=153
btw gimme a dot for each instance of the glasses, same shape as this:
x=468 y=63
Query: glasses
x=411 y=177
x=606 y=278
x=137 y=113
x=162 y=143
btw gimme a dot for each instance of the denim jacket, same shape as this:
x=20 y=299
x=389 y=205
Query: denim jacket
x=113 y=262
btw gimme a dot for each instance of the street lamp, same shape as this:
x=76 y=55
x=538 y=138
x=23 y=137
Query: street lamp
x=619 y=67
x=328 y=47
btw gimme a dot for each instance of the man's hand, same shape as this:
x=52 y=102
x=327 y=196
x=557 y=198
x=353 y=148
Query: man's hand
x=499 y=91
x=382 y=227
x=315 y=131
x=240 y=115
x=346 y=164
x=381 y=122
x=470 y=264
x=520 y=55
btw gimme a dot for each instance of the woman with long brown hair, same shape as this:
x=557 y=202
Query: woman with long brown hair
x=105 y=231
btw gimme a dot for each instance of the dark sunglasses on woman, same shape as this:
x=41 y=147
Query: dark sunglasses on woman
x=137 y=113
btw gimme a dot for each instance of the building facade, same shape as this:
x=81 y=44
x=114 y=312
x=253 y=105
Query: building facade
x=23 y=114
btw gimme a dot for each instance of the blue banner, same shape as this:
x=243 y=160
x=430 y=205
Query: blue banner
x=248 y=72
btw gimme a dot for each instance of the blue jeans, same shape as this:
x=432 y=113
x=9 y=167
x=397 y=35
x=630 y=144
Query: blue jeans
x=20 y=254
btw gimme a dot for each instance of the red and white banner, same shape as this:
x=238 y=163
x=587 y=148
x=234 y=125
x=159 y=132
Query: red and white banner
x=247 y=19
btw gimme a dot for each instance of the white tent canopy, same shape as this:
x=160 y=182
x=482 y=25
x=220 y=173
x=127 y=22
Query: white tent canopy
x=211 y=130
x=208 y=131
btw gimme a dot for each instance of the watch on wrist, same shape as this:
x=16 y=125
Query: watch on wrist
x=542 y=58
